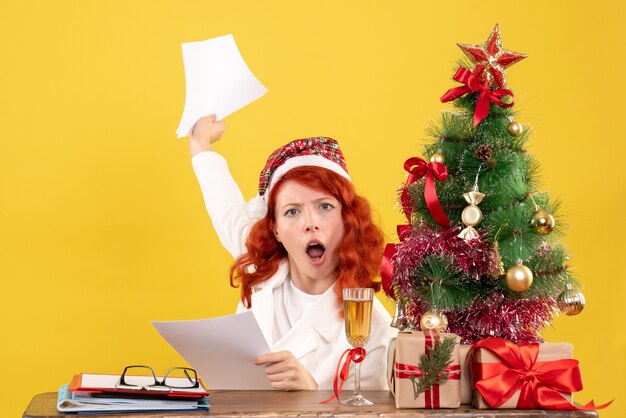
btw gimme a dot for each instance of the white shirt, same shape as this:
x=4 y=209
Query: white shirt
x=290 y=304
x=317 y=338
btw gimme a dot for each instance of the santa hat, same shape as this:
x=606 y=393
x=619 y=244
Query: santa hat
x=318 y=151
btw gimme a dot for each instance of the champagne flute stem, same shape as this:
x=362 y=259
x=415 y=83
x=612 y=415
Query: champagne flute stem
x=357 y=378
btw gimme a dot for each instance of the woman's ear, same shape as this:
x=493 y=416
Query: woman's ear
x=276 y=235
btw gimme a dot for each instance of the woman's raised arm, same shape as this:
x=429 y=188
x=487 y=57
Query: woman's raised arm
x=222 y=197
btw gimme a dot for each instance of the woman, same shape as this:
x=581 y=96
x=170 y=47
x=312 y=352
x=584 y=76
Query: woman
x=293 y=261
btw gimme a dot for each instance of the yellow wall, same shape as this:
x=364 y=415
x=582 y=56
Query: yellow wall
x=102 y=225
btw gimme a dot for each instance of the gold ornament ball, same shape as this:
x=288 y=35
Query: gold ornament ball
x=433 y=321
x=438 y=157
x=515 y=128
x=519 y=278
x=571 y=302
x=543 y=221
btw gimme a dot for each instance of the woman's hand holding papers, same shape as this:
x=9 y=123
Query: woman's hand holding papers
x=285 y=372
x=205 y=132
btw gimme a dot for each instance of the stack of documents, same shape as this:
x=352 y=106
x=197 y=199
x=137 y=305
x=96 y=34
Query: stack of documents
x=97 y=393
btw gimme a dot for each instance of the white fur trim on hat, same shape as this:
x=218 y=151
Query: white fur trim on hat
x=256 y=208
x=305 y=160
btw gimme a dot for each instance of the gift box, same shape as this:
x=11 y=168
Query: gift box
x=404 y=371
x=530 y=376
x=466 y=378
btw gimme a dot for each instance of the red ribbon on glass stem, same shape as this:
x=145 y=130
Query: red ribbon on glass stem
x=355 y=355
x=539 y=383
x=472 y=83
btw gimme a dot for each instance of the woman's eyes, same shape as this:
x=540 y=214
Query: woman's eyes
x=323 y=206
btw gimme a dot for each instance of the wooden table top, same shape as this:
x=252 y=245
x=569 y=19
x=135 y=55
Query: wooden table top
x=305 y=404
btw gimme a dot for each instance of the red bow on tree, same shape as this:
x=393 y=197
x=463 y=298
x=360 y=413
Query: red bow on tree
x=417 y=168
x=386 y=267
x=473 y=83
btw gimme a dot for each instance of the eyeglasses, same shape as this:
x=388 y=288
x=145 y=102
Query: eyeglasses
x=144 y=378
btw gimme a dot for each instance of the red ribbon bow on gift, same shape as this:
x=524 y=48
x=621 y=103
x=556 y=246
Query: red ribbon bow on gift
x=539 y=383
x=472 y=83
x=355 y=355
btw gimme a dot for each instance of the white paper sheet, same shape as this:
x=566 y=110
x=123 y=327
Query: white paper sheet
x=222 y=350
x=218 y=81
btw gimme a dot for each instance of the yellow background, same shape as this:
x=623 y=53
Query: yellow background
x=102 y=225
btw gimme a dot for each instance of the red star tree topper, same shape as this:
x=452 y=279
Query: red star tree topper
x=491 y=59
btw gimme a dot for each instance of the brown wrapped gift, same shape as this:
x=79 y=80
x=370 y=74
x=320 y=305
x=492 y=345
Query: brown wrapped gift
x=403 y=361
x=547 y=352
x=466 y=377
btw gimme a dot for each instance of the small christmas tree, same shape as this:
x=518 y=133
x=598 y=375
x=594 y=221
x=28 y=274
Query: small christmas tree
x=480 y=255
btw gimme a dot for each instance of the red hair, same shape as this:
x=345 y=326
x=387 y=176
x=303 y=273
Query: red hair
x=360 y=250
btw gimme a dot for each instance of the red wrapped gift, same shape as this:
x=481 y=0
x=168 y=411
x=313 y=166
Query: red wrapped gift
x=530 y=376
x=403 y=368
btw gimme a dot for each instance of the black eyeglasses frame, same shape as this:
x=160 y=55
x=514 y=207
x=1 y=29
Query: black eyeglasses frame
x=159 y=385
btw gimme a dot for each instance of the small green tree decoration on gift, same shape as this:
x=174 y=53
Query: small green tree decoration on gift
x=433 y=365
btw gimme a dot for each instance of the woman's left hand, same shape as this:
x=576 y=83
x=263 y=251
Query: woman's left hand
x=285 y=372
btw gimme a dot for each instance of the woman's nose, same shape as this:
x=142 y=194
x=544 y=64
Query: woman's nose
x=312 y=222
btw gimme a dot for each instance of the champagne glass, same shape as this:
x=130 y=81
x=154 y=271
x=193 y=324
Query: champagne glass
x=357 y=311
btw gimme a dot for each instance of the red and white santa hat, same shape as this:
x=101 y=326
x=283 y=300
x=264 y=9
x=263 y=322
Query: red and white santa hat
x=317 y=151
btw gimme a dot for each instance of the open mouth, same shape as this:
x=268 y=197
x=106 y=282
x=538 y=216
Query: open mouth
x=315 y=251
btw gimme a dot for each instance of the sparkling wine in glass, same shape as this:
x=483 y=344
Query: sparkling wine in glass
x=357 y=308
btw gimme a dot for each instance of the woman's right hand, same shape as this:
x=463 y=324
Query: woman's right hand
x=285 y=372
x=205 y=132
